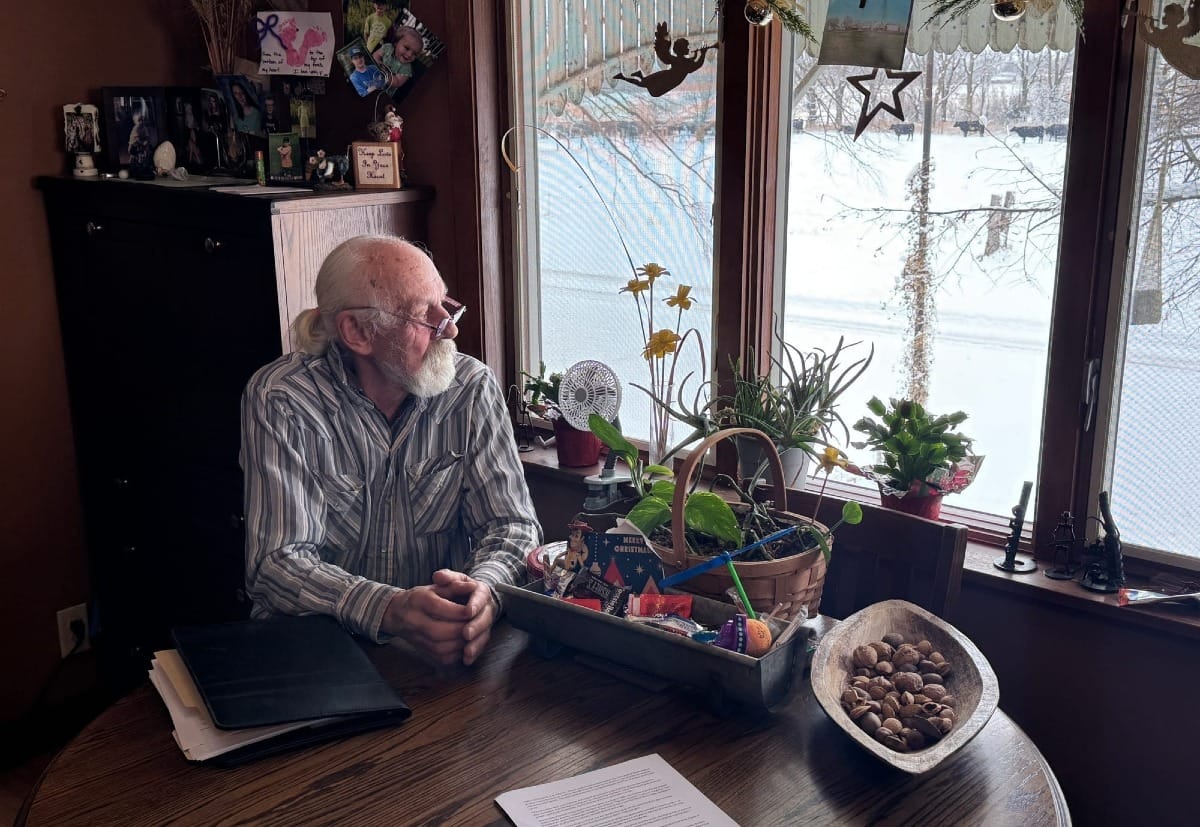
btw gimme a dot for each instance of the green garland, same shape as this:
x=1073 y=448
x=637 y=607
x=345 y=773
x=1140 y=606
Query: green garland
x=791 y=19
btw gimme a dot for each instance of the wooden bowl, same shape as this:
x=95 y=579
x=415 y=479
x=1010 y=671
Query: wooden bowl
x=973 y=683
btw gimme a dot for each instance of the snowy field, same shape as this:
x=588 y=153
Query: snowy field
x=993 y=312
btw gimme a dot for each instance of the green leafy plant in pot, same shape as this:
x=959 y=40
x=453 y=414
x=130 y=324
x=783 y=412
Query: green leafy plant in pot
x=787 y=574
x=921 y=456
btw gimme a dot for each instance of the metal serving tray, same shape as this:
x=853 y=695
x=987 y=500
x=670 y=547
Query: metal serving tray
x=726 y=678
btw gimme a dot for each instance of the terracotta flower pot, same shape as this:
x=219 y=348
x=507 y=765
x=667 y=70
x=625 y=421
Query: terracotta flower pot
x=576 y=448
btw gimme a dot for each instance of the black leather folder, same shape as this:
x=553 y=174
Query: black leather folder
x=264 y=672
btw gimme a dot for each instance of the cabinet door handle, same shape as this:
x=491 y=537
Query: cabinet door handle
x=211 y=245
x=121 y=482
x=94 y=227
x=237 y=521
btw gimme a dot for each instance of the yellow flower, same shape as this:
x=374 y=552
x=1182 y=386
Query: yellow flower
x=661 y=343
x=832 y=458
x=680 y=299
x=635 y=286
x=652 y=271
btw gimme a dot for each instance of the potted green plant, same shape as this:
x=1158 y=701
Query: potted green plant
x=574 y=448
x=921 y=456
x=800 y=413
x=703 y=524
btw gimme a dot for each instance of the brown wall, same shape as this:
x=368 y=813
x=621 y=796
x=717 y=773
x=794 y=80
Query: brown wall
x=54 y=54
x=132 y=43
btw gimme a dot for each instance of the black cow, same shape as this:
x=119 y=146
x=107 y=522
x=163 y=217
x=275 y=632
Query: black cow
x=968 y=127
x=797 y=124
x=1057 y=131
x=849 y=130
x=900 y=129
x=1027 y=132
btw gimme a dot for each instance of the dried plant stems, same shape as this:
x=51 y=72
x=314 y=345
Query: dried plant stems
x=221 y=22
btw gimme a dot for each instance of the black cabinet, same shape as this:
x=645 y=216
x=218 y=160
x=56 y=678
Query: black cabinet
x=168 y=304
x=169 y=300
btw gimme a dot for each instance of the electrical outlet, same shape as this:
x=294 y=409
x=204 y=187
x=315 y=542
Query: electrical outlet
x=66 y=637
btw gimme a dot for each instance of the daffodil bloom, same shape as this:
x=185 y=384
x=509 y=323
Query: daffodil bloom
x=661 y=343
x=652 y=271
x=832 y=458
x=680 y=299
x=635 y=286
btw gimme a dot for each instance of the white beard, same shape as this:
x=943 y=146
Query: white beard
x=433 y=377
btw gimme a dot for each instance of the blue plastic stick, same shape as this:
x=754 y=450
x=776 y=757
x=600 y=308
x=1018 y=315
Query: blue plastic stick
x=720 y=559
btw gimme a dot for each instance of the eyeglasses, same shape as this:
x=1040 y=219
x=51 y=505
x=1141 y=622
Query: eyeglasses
x=454 y=311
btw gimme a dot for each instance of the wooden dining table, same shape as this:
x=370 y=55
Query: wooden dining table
x=516 y=719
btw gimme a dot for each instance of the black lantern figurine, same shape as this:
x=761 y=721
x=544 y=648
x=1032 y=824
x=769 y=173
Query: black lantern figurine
x=1064 y=545
x=1104 y=568
x=523 y=422
x=1009 y=562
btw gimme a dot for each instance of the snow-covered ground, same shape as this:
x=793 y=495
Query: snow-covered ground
x=842 y=263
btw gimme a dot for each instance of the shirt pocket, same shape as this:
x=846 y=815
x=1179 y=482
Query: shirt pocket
x=434 y=492
x=344 y=506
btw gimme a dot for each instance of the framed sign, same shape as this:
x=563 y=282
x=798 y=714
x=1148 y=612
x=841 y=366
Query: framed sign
x=376 y=165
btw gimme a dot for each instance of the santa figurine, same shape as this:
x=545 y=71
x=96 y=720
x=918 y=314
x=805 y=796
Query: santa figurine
x=394 y=124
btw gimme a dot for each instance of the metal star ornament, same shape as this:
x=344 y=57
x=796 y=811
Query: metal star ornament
x=868 y=112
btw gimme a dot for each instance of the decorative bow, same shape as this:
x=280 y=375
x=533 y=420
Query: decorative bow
x=267 y=27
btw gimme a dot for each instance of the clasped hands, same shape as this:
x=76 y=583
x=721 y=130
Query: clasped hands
x=450 y=619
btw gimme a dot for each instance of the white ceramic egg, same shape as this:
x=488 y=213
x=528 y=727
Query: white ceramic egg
x=164 y=158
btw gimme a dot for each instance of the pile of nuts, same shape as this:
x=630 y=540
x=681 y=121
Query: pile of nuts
x=897 y=693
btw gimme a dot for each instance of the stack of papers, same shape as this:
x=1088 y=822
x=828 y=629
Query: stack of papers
x=194 y=730
x=644 y=791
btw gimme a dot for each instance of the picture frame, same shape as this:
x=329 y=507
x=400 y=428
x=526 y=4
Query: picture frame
x=375 y=165
x=134 y=126
x=81 y=127
x=285 y=158
x=185 y=127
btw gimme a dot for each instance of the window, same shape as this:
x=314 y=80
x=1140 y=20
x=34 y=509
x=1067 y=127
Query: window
x=949 y=274
x=1151 y=457
x=1022 y=240
x=617 y=171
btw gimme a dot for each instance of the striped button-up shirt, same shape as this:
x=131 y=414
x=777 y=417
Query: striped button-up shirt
x=344 y=508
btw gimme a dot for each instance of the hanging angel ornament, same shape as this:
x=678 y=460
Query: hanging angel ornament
x=678 y=60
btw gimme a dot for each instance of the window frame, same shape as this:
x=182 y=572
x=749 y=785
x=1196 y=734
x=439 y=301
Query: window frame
x=749 y=266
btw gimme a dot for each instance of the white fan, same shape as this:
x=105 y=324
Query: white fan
x=587 y=388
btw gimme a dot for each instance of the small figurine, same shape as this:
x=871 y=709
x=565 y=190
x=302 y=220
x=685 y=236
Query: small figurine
x=322 y=170
x=395 y=124
x=391 y=128
x=1105 y=569
x=1064 y=544
x=340 y=166
x=577 y=550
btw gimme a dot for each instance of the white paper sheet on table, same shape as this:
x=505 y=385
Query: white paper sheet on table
x=295 y=43
x=644 y=792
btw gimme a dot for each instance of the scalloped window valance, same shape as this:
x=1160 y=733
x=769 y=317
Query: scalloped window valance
x=585 y=42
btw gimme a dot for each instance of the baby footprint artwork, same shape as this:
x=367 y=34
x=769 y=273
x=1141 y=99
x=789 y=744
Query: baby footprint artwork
x=313 y=37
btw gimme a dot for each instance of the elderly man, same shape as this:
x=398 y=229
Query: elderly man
x=380 y=463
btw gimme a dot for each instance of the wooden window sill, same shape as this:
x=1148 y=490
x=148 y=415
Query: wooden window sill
x=1179 y=619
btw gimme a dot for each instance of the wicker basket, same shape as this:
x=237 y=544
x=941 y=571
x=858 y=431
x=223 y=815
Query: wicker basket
x=794 y=581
